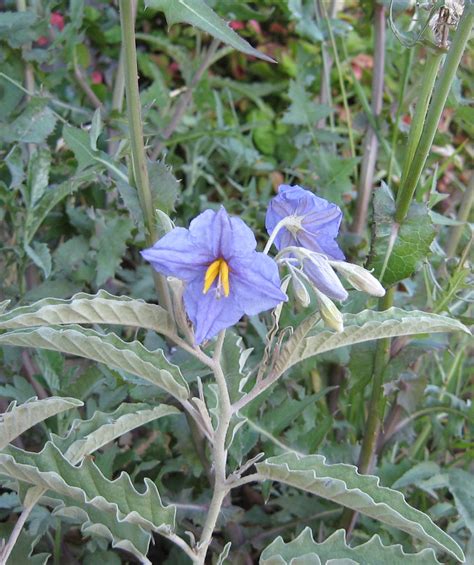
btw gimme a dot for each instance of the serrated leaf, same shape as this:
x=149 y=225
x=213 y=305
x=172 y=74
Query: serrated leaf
x=109 y=349
x=111 y=246
x=33 y=125
x=304 y=550
x=197 y=13
x=79 y=142
x=164 y=186
x=412 y=244
x=16 y=27
x=51 y=471
x=87 y=436
x=365 y=326
x=82 y=308
x=19 y=418
x=303 y=111
x=40 y=255
x=343 y=484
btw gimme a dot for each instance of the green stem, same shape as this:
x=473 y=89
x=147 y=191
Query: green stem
x=139 y=161
x=438 y=101
x=427 y=82
x=140 y=171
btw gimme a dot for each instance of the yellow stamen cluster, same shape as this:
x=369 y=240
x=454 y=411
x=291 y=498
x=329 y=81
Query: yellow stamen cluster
x=219 y=268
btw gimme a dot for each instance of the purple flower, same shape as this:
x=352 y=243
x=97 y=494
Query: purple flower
x=307 y=221
x=225 y=277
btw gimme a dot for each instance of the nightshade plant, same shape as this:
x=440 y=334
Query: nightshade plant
x=191 y=357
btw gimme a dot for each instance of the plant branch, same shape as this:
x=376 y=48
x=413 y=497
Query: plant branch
x=371 y=141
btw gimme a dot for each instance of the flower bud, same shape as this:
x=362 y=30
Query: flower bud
x=300 y=290
x=329 y=312
x=359 y=278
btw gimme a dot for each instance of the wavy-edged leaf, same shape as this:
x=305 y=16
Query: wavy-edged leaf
x=343 y=484
x=87 y=436
x=24 y=546
x=304 y=549
x=19 y=418
x=365 y=326
x=50 y=470
x=94 y=522
x=82 y=308
x=198 y=14
x=132 y=357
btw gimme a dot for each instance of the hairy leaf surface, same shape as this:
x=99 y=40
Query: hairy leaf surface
x=343 y=484
x=304 y=549
x=109 y=349
x=17 y=419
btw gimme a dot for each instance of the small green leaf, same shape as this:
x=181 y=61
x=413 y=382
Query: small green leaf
x=33 y=125
x=109 y=349
x=412 y=244
x=164 y=186
x=18 y=419
x=343 y=484
x=111 y=246
x=303 y=111
x=460 y=484
x=197 y=13
x=96 y=129
x=334 y=549
x=41 y=257
x=16 y=28
x=38 y=174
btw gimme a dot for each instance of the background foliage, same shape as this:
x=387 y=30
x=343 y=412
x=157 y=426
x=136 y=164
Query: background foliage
x=70 y=222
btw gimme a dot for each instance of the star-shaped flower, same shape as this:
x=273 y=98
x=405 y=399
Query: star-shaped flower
x=225 y=277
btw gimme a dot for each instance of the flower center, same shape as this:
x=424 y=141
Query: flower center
x=219 y=270
x=294 y=224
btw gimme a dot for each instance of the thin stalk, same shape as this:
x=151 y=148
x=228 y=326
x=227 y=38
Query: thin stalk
x=438 y=101
x=139 y=161
x=140 y=171
x=219 y=452
x=427 y=82
x=341 y=84
x=371 y=141
x=401 y=97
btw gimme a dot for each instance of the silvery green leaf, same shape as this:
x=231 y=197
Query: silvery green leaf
x=344 y=485
x=82 y=308
x=365 y=326
x=198 y=14
x=303 y=550
x=87 y=436
x=96 y=129
x=19 y=418
x=33 y=125
x=109 y=349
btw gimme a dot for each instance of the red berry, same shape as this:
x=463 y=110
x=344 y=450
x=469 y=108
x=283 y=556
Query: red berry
x=96 y=77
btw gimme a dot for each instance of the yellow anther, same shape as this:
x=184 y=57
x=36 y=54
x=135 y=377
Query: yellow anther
x=224 y=277
x=218 y=268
